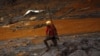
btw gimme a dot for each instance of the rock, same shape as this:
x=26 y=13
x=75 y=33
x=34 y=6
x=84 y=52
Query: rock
x=21 y=54
x=94 y=52
x=78 y=53
x=35 y=54
x=24 y=46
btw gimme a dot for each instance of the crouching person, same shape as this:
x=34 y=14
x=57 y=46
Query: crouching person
x=51 y=34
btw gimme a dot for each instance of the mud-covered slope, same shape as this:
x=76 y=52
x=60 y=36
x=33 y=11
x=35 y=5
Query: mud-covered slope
x=65 y=26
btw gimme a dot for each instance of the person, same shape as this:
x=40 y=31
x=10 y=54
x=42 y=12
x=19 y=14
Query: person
x=51 y=34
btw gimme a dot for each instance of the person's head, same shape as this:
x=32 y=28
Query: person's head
x=48 y=22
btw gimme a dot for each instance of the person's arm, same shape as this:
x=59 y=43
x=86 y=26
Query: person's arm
x=56 y=33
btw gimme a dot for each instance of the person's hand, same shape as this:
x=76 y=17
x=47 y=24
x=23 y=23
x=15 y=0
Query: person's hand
x=57 y=38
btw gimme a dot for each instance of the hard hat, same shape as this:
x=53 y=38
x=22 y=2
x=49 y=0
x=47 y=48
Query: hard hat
x=48 y=22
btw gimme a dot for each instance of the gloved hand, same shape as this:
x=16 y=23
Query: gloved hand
x=57 y=38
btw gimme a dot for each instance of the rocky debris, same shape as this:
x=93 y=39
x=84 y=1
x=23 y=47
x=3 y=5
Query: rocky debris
x=15 y=13
x=79 y=53
x=82 y=9
x=69 y=45
x=93 y=14
x=66 y=13
x=27 y=27
x=85 y=46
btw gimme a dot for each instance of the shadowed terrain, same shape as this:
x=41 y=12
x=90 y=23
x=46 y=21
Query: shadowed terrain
x=77 y=23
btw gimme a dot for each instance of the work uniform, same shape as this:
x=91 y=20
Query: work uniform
x=51 y=34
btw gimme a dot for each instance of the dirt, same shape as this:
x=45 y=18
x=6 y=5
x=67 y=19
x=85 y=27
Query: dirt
x=64 y=26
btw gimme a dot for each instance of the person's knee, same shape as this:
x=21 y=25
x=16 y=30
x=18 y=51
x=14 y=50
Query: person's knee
x=45 y=41
x=55 y=41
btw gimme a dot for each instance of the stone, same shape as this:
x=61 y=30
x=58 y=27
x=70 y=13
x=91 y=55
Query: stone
x=78 y=53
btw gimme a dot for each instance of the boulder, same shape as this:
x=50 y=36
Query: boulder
x=78 y=53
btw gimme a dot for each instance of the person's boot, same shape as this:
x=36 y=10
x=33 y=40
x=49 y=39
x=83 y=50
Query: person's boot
x=47 y=49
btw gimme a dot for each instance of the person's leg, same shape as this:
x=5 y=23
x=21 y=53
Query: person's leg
x=55 y=42
x=45 y=42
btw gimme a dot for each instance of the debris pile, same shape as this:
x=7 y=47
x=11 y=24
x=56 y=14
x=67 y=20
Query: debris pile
x=69 y=45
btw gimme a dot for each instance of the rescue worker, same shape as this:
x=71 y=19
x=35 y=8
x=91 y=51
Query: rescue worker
x=51 y=34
